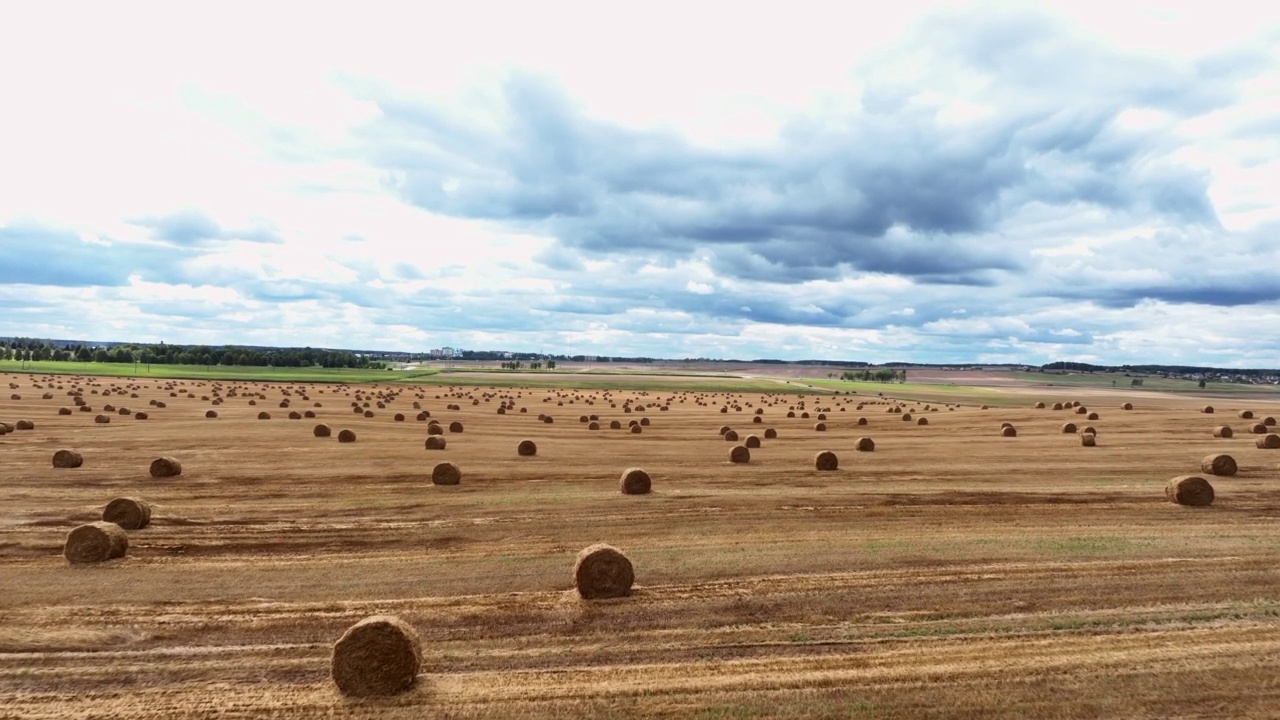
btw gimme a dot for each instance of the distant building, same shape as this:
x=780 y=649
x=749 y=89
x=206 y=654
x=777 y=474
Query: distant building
x=447 y=352
x=437 y=353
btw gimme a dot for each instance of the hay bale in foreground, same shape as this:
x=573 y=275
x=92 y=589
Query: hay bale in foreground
x=380 y=655
x=826 y=461
x=446 y=473
x=1223 y=431
x=128 y=513
x=95 y=542
x=67 y=459
x=1191 y=490
x=1268 y=442
x=1088 y=439
x=435 y=442
x=527 y=448
x=346 y=436
x=635 y=481
x=1218 y=464
x=602 y=571
x=739 y=454
x=752 y=442
x=165 y=467
x=864 y=444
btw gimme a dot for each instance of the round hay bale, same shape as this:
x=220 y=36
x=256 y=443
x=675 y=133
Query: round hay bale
x=757 y=420
x=770 y=434
x=422 y=416
x=1088 y=430
x=1246 y=414
x=128 y=513
x=1068 y=427
x=1207 y=409
x=1008 y=431
x=752 y=441
x=865 y=444
x=165 y=467
x=922 y=421
x=1057 y=406
x=1082 y=410
x=346 y=436
x=1088 y=439
x=1190 y=490
x=1269 y=421
x=264 y=415
x=295 y=415
x=322 y=430
x=593 y=425
x=398 y=417
x=1127 y=406
x=1223 y=431
x=1258 y=429
x=1268 y=442
x=64 y=411
x=1091 y=416
x=635 y=481
x=906 y=417
x=211 y=414
x=739 y=454
x=730 y=436
x=380 y=655
x=140 y=416
x=1040 y=406
x=602 y=571
x=102 y=419
x=826 y=461
x=527 y=448
x=436 y=442
x=435 y=430
x=446 y=473
x=637 y=429
x=455 y=427
x=724 y=429
x=67 y=459
x=24 y=425
x=615 y=425
x=862 y=421
x=1219 y=464
x=95 y=542
x=820 y=427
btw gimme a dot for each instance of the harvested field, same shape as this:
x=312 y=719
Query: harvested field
x=952 y=572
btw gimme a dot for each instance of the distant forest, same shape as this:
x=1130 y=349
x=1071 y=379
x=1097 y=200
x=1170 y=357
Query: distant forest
x=1154 y=369
x=34 y=350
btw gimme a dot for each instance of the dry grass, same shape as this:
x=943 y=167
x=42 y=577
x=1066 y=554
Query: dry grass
x=949 y=573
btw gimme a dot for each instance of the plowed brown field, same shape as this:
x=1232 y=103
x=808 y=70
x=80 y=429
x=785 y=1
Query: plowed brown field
x=952 y=572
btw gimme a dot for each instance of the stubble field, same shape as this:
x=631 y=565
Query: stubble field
x=952 y=572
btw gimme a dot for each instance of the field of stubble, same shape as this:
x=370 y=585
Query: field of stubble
x=949 y=573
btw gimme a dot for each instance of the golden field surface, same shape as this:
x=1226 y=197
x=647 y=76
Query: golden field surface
x=952 y=572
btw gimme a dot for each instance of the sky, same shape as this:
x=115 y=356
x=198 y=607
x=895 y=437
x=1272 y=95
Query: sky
x=906 y=181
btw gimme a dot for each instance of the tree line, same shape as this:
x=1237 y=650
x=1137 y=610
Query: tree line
x=39 y=350
x=883 y=375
